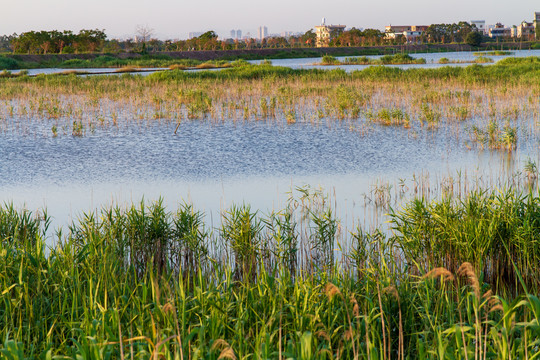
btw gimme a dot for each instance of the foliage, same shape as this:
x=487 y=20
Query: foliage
x=45 y=42
x=448 y=33
x=474 y=38
x=356 y=37
x=8 y=63
x=141 y=282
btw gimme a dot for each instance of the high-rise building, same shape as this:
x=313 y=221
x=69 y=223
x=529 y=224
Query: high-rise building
x=233 y=34
x=263 y=32
x=238 y=34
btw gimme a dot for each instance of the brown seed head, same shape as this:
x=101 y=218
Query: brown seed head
x=497 y=308
x=356 y=308
x=168 y=307
x=391 y=290
x=322 y=334
x=220 y=344
x=467 y=270
x=438 y=272
x=331 y=290
x=227 y=353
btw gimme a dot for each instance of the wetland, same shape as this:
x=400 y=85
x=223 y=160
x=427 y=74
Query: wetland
x=270 y=211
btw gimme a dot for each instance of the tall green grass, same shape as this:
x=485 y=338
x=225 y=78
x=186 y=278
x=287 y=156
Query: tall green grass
x=456 y=279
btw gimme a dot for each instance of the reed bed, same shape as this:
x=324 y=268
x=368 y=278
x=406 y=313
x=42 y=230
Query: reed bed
x=452 y=98
x=456 y=279
x=397 y=59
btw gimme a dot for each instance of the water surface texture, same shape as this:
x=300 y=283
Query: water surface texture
x=215 y=166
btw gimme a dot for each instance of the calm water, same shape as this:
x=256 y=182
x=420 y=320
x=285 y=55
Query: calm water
x=308 y=63
x=214 y=166
x=432 y=60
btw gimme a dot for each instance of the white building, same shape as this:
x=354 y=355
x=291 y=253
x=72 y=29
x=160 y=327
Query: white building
x=525 y=30
x=480 y=25
x=499 y=31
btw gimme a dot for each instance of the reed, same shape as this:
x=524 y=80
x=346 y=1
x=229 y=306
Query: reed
x=454 y=277
x=143 y=282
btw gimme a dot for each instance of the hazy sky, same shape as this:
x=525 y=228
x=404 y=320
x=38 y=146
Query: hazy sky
x=174 y=19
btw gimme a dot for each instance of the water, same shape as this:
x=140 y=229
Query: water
x=432 y=60
x=216 y=165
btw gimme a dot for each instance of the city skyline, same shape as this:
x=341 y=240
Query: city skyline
x=172 y=20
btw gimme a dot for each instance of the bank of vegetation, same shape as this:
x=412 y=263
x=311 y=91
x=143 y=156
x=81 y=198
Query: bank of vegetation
x=484 y=106
x=455 y=278
x=397 y=59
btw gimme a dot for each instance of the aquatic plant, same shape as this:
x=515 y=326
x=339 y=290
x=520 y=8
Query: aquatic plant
x=456 y=278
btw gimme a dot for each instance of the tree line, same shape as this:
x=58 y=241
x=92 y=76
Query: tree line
x=48 y=42
x=56 y=42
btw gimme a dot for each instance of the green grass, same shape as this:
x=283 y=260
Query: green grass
x=167 y=285
x=493 y=53
x=507 y=70
x=397 y=59
x=142 y=61
x=8 y=63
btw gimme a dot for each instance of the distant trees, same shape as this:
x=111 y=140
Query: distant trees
x=474 y=38
x=144 y=33
x=309 y=38
x=356 y=37
x=5 y=42
x=448 y=33
x=46 y=42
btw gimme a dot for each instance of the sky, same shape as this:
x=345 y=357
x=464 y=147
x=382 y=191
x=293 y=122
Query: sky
x=174 y=19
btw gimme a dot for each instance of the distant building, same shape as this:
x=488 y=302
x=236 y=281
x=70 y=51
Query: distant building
x=397 y=28
x=537 y=24
x=480 y=25
x=238 y=34
x=233 y=34
x=263 y=33
x=525 y=30
x=325 y=33
x=412 y=36
x=412 y=33
x=499 y=31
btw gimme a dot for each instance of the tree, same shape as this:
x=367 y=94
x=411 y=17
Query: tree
x=308 y=38
x=474 y=38
x=144 y=33
x=208 y=36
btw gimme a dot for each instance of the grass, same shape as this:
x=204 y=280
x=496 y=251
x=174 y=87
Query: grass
x=493 y=53
x=456 y=279
x=478 y=60
x=397 y=59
